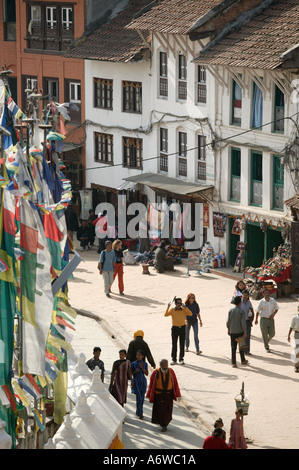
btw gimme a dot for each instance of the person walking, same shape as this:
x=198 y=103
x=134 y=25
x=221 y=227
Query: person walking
x=91 y=227
x=139 y=370
x=101 y=226
x=82 y=235
x=119 y=268
x=138 y=344
x=106 y=266
x=162 y=391
x=267 y=309
x=236 y=326
x=95 y=361
x=237 y=438
x=246 y=305
x=239 y=288
x=71 y=221
x=295 y=327
x=178 y=314
x=121 y=373
x=193 y=306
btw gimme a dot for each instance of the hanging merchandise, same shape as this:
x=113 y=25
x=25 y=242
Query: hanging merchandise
x=219 y=224
x=236 y=229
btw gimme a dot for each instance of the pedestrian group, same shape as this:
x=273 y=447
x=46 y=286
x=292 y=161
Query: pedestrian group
x=163 y=386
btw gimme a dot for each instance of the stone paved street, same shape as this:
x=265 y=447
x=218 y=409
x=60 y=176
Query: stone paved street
x=208 y=383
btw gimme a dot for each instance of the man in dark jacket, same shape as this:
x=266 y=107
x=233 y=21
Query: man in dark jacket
x=236 y=326
x=71 y=220
x=138 y=343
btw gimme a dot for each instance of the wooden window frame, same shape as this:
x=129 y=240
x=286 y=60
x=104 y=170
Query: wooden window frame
x=277 y=182
x=103 y=93
x=253 y=174
x=163 y=75
x=47 y=33
x=25 y=79
x=236 y=121
x=182 y=146
x=132 y=153
x=103 y=148
x=132 y=97
x=201 y=92
x=279 y=111
x=233 y=172
x=46 y=81
x=182 y=77
x=163 y=161
x=201 y=157
x=74 y=115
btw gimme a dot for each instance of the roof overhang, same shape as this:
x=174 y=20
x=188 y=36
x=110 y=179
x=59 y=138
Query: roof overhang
x=172 y=186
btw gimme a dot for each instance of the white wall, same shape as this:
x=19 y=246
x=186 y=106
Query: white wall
x=116 y=122
x=176 y=116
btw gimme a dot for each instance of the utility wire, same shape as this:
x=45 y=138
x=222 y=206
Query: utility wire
x=213 y=143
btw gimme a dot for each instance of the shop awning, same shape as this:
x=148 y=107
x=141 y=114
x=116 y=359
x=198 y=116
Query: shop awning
x=127 y=185
x=173 y=186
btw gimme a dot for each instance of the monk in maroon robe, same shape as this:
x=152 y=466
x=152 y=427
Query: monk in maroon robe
x=163 y=389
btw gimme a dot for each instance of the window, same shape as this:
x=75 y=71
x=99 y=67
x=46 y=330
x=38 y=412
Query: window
x=75 y=91
x=278 y=183
x=132 y=152
x=103 y=93
x=9 y=20
x=50 y=26
x=237 y=104
x=201 y=84
x=182 y=74
x=182 y=153
x=51 y=17
x=132 y=97
x=257 y=107
x=51 y=87
x=235 y=187
x=201 y=153
x=163 y=149
x=278 y=110
x=163 y=74
x=29 y=86
x=73 y=96
x=67 y=18
x=103 y=148
x=36 y=16
x=256 y=178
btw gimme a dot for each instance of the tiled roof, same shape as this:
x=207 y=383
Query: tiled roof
x=173 y=16
x=111 y=41
x=260 y=42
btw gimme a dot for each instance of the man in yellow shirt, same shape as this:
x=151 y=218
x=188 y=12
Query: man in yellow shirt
x=178 y=314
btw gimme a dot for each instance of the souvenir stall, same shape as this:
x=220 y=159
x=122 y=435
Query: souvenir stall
x=275 y=274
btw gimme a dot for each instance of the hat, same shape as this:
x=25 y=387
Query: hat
x=107 y=242
x=138 y=333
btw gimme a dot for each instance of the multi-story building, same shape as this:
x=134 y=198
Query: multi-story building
x=148 y=107
x=254 y=60
x=192 y=101
x=35 y=50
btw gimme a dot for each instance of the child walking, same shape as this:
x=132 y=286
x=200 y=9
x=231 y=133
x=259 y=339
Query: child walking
x=140 y=371
x=237 y=437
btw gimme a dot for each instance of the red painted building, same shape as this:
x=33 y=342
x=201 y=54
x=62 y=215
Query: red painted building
x=34 y=36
